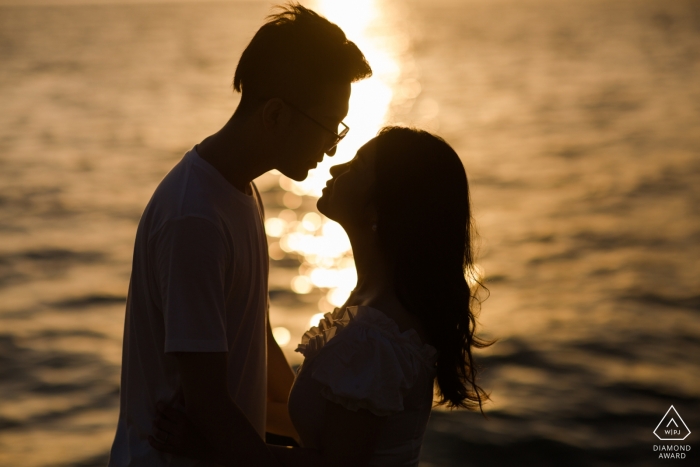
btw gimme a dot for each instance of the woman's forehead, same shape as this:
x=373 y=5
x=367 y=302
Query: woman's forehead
x=368 y=150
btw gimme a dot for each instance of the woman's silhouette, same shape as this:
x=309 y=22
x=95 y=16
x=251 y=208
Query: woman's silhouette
x=364 y=392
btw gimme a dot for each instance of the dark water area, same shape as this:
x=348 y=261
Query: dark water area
x=579 y=126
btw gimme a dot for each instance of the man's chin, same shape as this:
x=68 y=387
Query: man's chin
x=297 y=175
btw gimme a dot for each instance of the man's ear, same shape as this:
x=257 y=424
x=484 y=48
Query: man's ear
x=275 y=115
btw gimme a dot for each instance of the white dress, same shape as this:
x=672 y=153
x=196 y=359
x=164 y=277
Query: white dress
x=357 y=357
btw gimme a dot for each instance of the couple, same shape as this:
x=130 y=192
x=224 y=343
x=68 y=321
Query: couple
x=202 y=378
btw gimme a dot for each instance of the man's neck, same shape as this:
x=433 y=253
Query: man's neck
x=233 y=152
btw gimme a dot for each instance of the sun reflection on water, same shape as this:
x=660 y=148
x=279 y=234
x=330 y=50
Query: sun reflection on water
x=319 y=243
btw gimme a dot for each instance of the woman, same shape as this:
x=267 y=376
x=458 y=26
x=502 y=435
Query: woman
x=364 y=392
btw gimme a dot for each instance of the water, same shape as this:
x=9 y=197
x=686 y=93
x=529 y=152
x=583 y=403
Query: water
x=579 y=125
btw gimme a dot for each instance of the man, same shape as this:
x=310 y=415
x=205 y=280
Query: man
x=197 y=334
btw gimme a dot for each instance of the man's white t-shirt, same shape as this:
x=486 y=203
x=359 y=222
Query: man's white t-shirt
x=198 y=284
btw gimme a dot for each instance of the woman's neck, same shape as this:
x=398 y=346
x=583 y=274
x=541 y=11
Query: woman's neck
x=374 y=281
x=374 y=289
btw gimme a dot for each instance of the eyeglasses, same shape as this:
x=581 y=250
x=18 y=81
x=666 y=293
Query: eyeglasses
x=339 y=135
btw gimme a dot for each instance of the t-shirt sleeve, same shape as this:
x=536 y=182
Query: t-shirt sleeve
x=190 y=257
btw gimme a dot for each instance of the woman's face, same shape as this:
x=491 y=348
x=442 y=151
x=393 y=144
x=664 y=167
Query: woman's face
x=348 y=196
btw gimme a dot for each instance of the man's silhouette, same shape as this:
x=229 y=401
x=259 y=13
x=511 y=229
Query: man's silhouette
x=197 y=329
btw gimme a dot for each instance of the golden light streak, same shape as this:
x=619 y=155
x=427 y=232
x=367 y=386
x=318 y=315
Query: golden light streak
x=321 y=244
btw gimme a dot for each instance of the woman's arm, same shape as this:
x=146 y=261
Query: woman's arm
x=349 y=439
x=298 y=457
x=174 y=432
x=212 y=411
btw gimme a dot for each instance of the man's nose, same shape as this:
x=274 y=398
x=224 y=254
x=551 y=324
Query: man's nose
x=331 y=152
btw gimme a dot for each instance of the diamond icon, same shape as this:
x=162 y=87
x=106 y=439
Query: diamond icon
x=672 y=427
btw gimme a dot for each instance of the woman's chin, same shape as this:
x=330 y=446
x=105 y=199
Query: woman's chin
x=321 y=205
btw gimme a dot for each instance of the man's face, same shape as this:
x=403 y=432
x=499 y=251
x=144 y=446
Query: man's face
x=312 y=131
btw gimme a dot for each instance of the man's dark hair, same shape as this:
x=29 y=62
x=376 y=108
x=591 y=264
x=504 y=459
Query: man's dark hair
x=292 y=55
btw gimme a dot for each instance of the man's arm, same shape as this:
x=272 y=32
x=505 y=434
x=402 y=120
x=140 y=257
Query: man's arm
x=349 y=437
x=211 y=409
x=280 y=378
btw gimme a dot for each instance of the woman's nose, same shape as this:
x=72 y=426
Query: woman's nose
x=337 y=169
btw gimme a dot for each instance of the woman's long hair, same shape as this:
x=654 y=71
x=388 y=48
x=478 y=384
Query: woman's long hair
x=424 y=226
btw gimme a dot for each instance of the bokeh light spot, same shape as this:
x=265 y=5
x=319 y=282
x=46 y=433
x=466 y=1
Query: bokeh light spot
x=338 y=296
x=315 y=319
x=291 y=200
x=302 y=285
x=287 y=215
x=311 y=221
x=275 y=251
x=275 y=226
x=282 y=335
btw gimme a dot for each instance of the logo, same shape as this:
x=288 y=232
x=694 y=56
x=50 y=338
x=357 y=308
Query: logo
x=672 y=427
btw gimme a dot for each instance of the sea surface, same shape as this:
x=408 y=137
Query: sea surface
x=579 y=126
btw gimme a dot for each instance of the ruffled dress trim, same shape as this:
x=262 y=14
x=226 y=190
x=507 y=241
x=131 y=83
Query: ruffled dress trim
x=372 y=366
x=315 y=338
